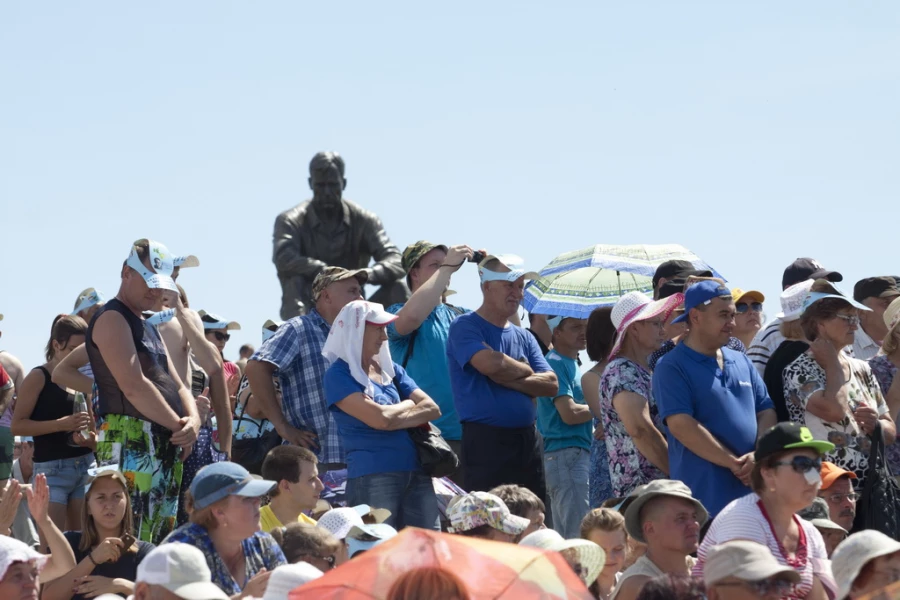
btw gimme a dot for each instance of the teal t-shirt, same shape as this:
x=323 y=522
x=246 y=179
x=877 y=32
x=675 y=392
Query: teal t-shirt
x=428 y=364
x=557 y=435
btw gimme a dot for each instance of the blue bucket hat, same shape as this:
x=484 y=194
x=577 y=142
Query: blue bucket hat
x=220 y=480
x=700 y=294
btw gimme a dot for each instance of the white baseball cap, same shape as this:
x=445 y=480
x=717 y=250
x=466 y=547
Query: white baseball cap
x=792 y=300
x=510 y=261
x=160 y=275
x=377 y=534
x=339 y=521
x=287 y=577
x=853 y=553
x=182 y=570
x=214 y=321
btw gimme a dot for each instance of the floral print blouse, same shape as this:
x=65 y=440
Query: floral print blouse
x=628 y=468
x=884 y=371
x=804 y=377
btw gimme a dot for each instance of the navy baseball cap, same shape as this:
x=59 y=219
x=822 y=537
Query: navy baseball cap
x=220 y=480
x=701 y=293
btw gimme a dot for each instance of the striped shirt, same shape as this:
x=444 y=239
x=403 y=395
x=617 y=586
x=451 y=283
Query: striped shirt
x=764 y=345
x=743 y=519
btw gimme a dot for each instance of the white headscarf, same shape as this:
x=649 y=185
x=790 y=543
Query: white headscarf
x=345 y=340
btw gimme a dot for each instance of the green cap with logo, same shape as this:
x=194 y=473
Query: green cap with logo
x=330 y=275
x=416 y=251
x=788 y=436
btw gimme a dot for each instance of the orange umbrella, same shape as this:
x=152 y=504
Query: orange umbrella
x=490 y=570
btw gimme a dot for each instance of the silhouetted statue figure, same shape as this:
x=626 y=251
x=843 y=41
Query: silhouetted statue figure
x=332 y=231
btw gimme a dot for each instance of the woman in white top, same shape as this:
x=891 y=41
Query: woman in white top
x=836 y=396
x=785 y=480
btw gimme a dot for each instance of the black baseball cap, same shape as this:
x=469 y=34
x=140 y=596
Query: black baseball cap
x=807 y=268
x=788 y=436
x=678 y=269
x=875 y=287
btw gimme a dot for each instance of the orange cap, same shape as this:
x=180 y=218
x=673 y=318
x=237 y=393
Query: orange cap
x=831 y=473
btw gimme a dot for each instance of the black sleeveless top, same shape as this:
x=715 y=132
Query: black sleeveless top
x=151 y=355
x=54 y=403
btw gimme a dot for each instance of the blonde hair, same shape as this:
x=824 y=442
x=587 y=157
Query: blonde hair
x=89 y=535
x=604 y=519
x=792 y=330
x=891 y=341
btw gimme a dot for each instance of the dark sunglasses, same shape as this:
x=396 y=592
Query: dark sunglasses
x=742 y=307
x=802 y=464
x=222 y=337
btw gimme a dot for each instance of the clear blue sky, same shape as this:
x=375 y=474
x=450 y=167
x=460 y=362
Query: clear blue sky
x=752 y=133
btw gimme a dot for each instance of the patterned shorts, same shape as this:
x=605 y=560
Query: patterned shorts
x=152 y=467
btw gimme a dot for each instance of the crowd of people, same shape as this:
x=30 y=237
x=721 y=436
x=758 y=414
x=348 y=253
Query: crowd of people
x=704 y=454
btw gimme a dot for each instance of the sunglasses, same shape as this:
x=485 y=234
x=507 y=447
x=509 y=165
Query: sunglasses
x=222 y=337
x=742 y=307
x=802 y=464
x=850 y=319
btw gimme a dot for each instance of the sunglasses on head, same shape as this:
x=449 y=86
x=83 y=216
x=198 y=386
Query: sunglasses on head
x=222 y=337
x=802 y=464
x=742 y=307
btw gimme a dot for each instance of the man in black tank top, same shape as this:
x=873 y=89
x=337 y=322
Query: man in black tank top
x=148 y=417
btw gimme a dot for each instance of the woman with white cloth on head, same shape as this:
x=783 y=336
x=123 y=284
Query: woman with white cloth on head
x=374 y=402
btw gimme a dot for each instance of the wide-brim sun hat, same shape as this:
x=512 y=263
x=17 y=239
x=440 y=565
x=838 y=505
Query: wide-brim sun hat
x=744 y=560
x=591 y=557
x=634 y=307
x=661 y=488
x=853 y=553
x=827 y=524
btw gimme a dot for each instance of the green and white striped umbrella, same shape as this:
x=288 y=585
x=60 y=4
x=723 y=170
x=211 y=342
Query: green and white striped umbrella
x=575 y=283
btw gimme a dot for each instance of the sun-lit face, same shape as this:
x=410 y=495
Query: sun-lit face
x=21 y=582
x=240 y=515
x=614 y=544
x=107 y=502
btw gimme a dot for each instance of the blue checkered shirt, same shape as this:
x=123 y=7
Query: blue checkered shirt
x=296 y=349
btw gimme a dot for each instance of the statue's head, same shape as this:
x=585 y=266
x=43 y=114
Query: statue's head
x=326 y=178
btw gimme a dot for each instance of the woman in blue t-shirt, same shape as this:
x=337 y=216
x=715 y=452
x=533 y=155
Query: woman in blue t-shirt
x=374 y=402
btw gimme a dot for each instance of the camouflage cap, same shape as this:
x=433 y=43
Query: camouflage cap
x=329 y=275
x=414 y=252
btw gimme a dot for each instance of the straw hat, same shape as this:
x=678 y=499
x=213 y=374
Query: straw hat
x=591 y=557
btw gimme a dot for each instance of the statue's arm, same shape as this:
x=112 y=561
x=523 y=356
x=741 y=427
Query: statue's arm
x=287 y=253
x=387 y=257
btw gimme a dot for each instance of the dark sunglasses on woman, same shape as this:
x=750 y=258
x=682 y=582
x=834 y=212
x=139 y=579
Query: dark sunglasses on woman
x=222 y=337
x=742 y=307
x=802 y=464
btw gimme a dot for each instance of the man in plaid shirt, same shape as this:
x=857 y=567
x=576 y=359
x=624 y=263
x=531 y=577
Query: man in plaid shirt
x=295 y=351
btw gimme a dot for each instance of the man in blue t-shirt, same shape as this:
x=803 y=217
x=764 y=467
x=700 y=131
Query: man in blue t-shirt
x=497 y=371
x=564 y=421
x=714 y=403
x=418 y=338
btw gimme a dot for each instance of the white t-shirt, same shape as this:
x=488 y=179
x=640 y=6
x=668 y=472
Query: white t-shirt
x=744 y=520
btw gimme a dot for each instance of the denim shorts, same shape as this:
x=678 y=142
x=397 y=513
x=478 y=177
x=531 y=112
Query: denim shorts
x=67 y=478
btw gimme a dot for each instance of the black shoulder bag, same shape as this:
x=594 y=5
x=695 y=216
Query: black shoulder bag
x=250 y=453
x=435 y=455
x=879 y=506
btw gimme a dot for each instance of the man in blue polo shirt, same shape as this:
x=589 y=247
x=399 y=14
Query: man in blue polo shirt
x=714 y=403
x=496 y=372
